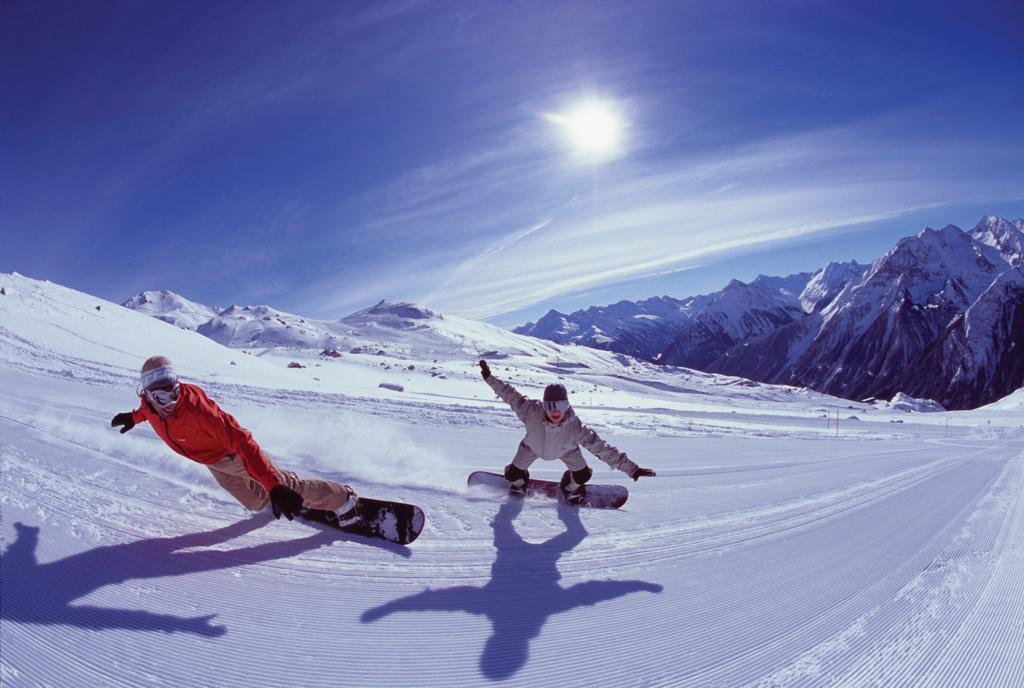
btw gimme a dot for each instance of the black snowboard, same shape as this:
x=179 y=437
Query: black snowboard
x=594 y=496
x=376 y=518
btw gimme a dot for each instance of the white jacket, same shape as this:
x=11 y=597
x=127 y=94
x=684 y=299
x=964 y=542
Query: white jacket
x=561 y=441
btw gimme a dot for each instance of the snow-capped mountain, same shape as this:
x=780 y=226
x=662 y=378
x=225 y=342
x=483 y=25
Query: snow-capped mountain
x=387 y=351
x=771 y=355
x=1004 y=236
x=853 y=330
x=679 y=331
x=733 y=315
x=399 y=330
x=876 y=328
x=938 y=316
x=172 y=308
x=980 y=354
x=636 y=328
x=935 y=317
x=262 y=326
x=828 y=282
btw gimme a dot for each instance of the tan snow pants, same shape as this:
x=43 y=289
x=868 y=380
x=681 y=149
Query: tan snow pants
x=230 y=473
x=525 y=457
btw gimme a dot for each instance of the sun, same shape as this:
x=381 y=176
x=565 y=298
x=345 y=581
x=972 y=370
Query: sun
x=593 y=127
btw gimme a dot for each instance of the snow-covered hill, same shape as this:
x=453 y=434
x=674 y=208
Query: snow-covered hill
x=789 y=539
x=426 y=354
x=172 y=308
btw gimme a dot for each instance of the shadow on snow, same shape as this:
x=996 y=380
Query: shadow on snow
x=43 y=593
x=522 y=593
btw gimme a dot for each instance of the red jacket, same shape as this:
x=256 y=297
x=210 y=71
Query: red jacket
x=199 y=430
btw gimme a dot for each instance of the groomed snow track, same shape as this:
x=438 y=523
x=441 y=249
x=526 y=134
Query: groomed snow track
x=881 y=566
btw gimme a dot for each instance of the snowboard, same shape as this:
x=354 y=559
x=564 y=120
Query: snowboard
x=594 y=496
x=375 y=518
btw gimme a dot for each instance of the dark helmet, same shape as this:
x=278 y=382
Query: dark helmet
x=556 y=398
x=556 y=392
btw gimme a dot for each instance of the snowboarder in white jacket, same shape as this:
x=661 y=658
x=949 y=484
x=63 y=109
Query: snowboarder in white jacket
x=554 y=431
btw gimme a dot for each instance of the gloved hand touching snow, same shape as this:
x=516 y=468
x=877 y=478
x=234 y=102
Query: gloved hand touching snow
x=285 y=500
x=124 y=419
x=485 y=369
x=638 y=473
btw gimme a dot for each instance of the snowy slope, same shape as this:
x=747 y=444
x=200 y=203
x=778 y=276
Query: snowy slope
x=1011 y=402
x=772 y=549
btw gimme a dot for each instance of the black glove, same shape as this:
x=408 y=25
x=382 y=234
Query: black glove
x=124 y=419
x=641 y=472
x=285 y=500
x=485 y=369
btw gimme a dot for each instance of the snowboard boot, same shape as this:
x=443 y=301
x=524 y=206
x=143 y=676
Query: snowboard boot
x=517 y=479
x=347 y=512
x=572 y=483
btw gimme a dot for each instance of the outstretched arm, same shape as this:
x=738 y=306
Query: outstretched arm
x=593 y=443
x=127 y=421
x=505 y=392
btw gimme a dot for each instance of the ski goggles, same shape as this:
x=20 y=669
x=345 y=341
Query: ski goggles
x=562 y=405
x=164 y=396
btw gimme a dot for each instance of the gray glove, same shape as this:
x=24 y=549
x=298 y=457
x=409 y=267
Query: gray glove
x=638 y=473
x=485 y=369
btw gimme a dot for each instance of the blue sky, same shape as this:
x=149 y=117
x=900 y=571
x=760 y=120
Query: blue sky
x=321 y=156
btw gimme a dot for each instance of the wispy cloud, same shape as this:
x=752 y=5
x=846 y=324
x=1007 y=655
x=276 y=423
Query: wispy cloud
x=323 y=156
x=640 y=220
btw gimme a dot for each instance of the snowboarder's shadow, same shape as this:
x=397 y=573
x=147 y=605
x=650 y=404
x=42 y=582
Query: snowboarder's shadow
x=44 y=593
x=522 y=593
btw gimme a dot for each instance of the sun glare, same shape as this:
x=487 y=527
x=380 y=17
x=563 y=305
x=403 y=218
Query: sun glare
x=593 y=128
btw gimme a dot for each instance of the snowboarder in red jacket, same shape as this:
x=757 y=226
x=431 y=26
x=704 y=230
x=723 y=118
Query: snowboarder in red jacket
x=194 y=426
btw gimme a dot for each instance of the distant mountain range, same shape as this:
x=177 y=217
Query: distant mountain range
x=265 y=327
x=939 y=316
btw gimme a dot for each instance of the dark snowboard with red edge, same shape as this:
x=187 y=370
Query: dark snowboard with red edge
x=594 y=496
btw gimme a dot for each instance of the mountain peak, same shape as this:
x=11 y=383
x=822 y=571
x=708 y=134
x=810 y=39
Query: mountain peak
x=1004 y=236
x=172 y=308
x=400 y=309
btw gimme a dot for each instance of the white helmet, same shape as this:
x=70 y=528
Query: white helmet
x=159 y=382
